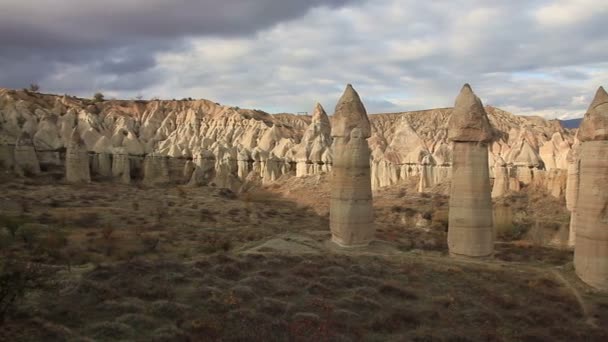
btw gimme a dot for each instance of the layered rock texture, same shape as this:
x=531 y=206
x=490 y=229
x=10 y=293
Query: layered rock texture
x=351 y=216
x=591 y=208
x=470 y=230
x=228 y=146
x=77 y=160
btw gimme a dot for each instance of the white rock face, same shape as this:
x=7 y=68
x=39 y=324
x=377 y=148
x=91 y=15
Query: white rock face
x=77 y=161
x=180 y=130
x=314 y=151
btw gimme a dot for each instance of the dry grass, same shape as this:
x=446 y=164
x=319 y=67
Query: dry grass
x=167 y=264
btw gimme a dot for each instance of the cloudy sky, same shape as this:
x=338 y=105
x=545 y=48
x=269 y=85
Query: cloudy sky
x=543 y=57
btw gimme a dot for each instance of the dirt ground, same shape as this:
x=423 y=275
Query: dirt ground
x=205 y=264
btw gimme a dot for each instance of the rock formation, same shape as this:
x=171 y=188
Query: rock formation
x=427 y=174
x=156 y=170
x=312 y=151
x=204 y=168
x=121 y=165
x=25 y=159
x=179 y=130
x=591 y=212
x=470 y=231
x=77 y=161
x=351 y=213
x=501 y=178
x=572 y=185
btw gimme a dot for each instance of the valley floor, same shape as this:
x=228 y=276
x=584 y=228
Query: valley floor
x=109 y=262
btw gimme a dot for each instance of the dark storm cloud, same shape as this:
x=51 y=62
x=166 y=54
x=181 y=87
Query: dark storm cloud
x=113 y=37
x=543 y=57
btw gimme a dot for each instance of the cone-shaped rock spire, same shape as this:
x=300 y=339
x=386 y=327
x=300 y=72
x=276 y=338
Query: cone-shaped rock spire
x=595 y=123
x=590 y=222
x=350 y=113
x=469 y=121
x=351 y=213
x=470 y=230
x=320 y=117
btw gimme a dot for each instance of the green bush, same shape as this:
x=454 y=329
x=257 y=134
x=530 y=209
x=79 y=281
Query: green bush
x=98 y=97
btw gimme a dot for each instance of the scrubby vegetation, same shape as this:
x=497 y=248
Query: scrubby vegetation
x=111 y=262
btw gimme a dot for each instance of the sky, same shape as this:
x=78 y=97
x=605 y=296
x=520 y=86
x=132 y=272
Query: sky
x=530 y=57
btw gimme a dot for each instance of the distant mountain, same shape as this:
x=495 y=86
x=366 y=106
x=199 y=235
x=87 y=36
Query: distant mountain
x=572 y=123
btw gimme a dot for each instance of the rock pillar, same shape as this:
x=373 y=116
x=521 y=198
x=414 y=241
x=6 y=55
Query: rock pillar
x=77 y=160
x=470 y=231
x=351 y=213
x=121 y=165
x=591 y=212
x=501 y=178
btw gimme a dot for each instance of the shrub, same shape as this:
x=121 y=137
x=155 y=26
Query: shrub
x=511 y=232
x=16 y=279
x=87 y=220
x=34 y=87
x=150 y=242
x=12 y=224
x=28 y=234
x=98 y=97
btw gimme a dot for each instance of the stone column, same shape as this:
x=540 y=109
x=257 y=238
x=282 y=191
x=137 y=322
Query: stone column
x=591 y=212
x=572 y=194
x=121 y=165
x=351 y=213
x=77 y=160
x=427 y=177
x=470 y=231
x=25 y=159
x=104 y=164
x=501 y=178
x=156 y=169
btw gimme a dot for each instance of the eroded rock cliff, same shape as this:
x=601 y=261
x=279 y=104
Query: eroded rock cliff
x=201 y=142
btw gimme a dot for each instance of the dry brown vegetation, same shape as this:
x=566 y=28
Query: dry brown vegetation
x=202 y=264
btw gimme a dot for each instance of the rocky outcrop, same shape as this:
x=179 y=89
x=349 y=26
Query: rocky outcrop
x=427 y=174
x=156 y=169
x=77 y=161
x=179 y=130
x=572 y=185
x=351 y=213
x=470 y=230
x=121 y=165
x=314 y=152
x=501 y=178
x=591 y=210
x=204 y=168
x=25 y=159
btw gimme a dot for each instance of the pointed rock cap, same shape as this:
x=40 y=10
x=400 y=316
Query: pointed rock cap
x=595 y=122
x=469 y=121
x=350 y=113
x=319 y=115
